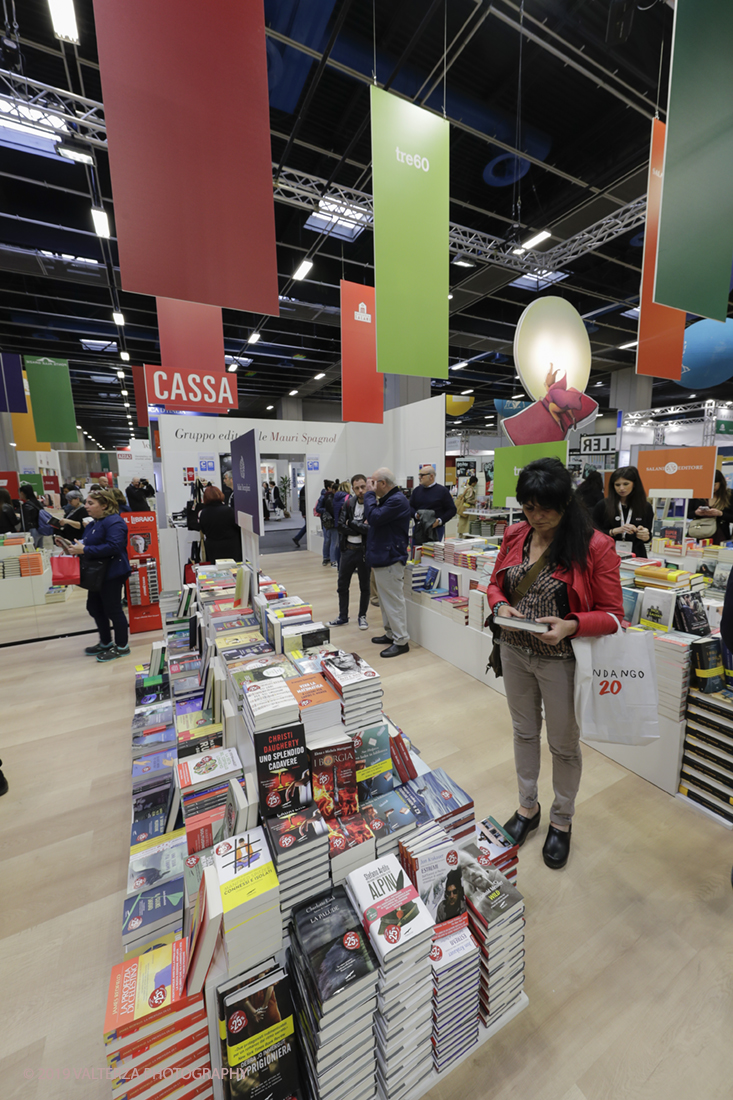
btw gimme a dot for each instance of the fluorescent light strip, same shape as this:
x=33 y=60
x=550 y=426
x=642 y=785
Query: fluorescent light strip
x=118 y=318
x=125 y=356
x=628 y=347
x=63 y=18
x=254 y=338
x=101 y=222
x=303 y=270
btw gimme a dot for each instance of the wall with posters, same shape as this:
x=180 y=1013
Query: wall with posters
x=409 y=437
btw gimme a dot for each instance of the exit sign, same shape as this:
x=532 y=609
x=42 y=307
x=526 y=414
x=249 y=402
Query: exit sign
x=597 y=444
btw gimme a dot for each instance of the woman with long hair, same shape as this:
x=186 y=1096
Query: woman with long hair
x=222 y=537
x=719 y=507
x=590 y=490
x=626 y=515
x=553 y=569
x=8 y=518
x=30 y=506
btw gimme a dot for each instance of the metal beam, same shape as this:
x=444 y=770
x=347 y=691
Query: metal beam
x=61 y=114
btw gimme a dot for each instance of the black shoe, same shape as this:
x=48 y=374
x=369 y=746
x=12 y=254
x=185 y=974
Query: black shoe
x=519 y=827
x=394 y=650
x=382 y=640
x=338 y=622
x=3 y=783
x=95 y=650
x=296 y=543
x=556 y=848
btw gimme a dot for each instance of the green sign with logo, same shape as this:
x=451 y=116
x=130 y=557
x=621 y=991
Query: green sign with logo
x=510 y=461
x=53 y=406
x=724 y=427
x=410 y=168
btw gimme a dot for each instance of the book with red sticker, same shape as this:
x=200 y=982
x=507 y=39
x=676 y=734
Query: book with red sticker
x=283 y=775
x=334 y=779
x=296 y=836
x=144 y=985
x=390 y=908
x=345 y=833
x=261 y=1047
x=332 y=948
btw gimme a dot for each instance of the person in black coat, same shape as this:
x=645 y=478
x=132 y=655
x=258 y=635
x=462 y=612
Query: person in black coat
x=626 y=514
x=138 y=492
x=8 y=518
x=429 y=495
x=590 y=490
x=222 y=536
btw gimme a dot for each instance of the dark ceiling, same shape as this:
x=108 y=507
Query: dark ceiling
x=584 y=131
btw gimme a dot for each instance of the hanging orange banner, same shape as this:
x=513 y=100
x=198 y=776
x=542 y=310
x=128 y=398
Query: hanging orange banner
x=362 y=386
x=661 y=329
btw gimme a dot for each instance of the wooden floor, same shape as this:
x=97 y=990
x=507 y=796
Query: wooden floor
x=629 y=950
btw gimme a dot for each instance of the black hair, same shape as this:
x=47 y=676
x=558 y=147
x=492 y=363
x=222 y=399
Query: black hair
x=5 y=497
x=721 y=492
x=636 y=500
x=473 y=480
x=453 y=878
x=547 y=483
x=27 y=491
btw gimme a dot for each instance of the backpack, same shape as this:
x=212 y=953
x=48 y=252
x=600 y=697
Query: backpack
x=461 y=503
x=46 y=522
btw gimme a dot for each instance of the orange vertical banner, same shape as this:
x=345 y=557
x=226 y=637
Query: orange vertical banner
x=191 y=335
x=362 y=386
x=661 y=329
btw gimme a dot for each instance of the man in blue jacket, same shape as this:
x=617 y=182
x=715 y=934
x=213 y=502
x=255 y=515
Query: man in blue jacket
x=430 y=495
x=387 y=514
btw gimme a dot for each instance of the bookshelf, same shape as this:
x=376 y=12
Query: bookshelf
x=24 y=591
x=461 y=646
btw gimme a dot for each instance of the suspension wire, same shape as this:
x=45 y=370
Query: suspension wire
x=659 y=81
x=445 y=54
x=374 y=40
x=517 y=184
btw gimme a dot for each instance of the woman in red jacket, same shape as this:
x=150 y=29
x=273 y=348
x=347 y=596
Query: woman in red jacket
x=576 y=590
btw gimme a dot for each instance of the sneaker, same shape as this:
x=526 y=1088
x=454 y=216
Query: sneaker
x=110 y=654
x=334 y=565
x=363 y=624
x=338 y=622
x=95 y=650
x=325 y=562
x=296 y=543
x=122 y=650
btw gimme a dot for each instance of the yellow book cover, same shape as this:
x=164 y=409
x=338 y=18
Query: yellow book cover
x=245 y=868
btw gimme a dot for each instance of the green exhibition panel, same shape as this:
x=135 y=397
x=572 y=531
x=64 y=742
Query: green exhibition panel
x=510 y=461
x=695 y=249
x=410 y=160
x=53 y=406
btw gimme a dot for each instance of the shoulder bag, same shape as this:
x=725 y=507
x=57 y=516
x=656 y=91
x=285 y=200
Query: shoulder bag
x=494 y=662
x=704 y=528
x=93 y=572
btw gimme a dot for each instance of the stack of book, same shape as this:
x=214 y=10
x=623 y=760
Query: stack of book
x=497 y=848
x=400 y=930
x=672 y=658
x=58 y=593
x=309 y=661
x=432 y=862
x=496 y=921
x=318 y=703
x=152 y=728
x=335 y=973
x=268 y=704
x=155 y=800
x=304 y=635
x=455 y=962
x=706 y=777
x=250 y=898
x=434 y=796
x=204 y=785
x=390 y=820
x=156 y=859
x=707 y=664
x=358 y=685
x=283 y=772
x=402 y=761
x=152 y=916
x=299 y=845
x=478 y=609
x=374 y=769
x=153 y=1032
x=351 y=841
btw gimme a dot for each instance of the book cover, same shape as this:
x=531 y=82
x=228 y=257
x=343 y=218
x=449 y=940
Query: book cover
x=387 y=814
x=283 y=775
x=345 y=833
x=245 y=869
x=373 y=761
x=389 y=906
x=261 y=1048
x=295 y=832
x=349 y=672
x=334 y=779
x=434 y=796
x=150 y=909
x=158 y=714
x=632 y=605
x=657 y=608
x=707 y=662
x=140 y=986
x=330 y=936
x=439 y=882
x=265 y=667
x=311 y=690
x=152 y=689
x=432 y=578
x=490 y=896
x=156 y=763
x=156 y=859
x=692 y=615
x=203 y=770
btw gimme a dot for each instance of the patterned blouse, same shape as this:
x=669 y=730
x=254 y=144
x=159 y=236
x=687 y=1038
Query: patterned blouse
x=547 y=596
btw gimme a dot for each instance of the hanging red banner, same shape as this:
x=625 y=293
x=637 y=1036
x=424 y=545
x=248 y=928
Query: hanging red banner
x=143 y=585
x=661 y=329
x=362 y=386
x=199 y=391
x=190 y=334
x=188 y=126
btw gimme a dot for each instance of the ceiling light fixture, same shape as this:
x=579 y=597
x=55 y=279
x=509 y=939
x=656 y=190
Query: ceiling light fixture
x=303 y=270
x=124 y=393
x=449 y=297
x=270 y=408
x=464 y=392
x=692 y=395
x=254 y=337
x=127 y=404
x=71 y=152
x=517 y=397
x=628 y=347
x=101 y=222
x=459 y=366
x=232 y=367
x=292 y=393
x=461 y=260
x=120 y=374
x=318 y=377
x=532 y=242
x=63 y=18
x=118 y=318
x=13 y=444
x=125 y=356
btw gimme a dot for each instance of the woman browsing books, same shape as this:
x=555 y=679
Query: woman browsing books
x=719 y=508
x=626 y=515
x=555 y=569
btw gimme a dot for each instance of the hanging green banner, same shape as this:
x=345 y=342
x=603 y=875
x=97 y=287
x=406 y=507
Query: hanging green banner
x=695 y=246
x=410 y=167
x=510 y=461
x=53 y=406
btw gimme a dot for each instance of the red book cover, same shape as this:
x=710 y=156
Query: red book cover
x=334 y=780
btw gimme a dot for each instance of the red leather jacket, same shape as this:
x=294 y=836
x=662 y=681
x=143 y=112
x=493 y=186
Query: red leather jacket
x=594 y=595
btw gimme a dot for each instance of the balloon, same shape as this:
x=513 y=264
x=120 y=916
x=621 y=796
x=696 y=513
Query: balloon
x=455 y=406
x=551 y=342
x=707 y=358
x=507 y=406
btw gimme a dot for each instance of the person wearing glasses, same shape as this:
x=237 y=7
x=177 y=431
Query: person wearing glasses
x=555 y=569
x=387 y=515
x=430 y=495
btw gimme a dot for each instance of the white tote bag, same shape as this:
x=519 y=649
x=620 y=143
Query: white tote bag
x=616 y=696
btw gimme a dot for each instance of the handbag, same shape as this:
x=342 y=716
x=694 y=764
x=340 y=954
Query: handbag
x=494 y=662
x=65 y=569
x=616 y=696
x=93 y=572
x=703 y=528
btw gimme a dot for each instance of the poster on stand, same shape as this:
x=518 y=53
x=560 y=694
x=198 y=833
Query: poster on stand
x=246 y=479
x=143 y=584
x=510 y=461
x=674 y=470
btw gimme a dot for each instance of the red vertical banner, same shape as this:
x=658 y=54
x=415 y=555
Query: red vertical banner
x=191 y=335
x=141 y=400
x=362 y=386
x=143 y=585
x=188 y=125
x=661 y=329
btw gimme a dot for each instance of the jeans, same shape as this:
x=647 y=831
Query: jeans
x=533 y=682
x=105 y=606
x=353 y=560
x=300 y=534
x=331 y=545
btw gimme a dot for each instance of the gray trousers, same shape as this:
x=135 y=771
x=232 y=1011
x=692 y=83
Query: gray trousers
x=531 y=682
x=390 y=581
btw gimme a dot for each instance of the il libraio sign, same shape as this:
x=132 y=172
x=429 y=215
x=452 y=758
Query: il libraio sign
x=200 y=391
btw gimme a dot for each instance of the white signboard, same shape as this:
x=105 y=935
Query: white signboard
x=597 y=444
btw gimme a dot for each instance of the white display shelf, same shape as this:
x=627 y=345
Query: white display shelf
x=484 y=1034
x=17 y=550
x=704 y=810
x=24 y=591
x=461 y=646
